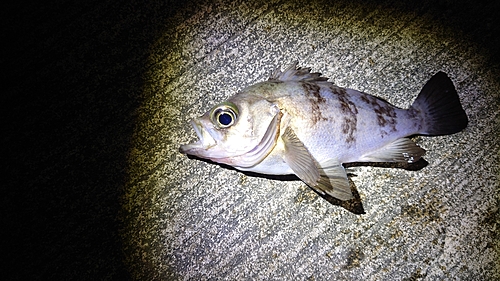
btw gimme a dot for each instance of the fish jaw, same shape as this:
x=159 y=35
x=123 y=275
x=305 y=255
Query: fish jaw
x=205 y=142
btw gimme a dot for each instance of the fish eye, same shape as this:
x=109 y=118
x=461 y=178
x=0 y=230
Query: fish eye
x=225 y=118
x=224 y=115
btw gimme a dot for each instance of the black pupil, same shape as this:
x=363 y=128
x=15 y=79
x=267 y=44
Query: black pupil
x=225 y=119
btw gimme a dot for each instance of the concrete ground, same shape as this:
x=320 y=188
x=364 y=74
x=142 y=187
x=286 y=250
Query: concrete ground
x=97 y=99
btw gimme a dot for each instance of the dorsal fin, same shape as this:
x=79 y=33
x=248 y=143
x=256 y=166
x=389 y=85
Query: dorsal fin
x=294 y=73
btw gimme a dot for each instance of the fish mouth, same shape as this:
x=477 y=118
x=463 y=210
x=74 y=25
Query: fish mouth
x=205 y=141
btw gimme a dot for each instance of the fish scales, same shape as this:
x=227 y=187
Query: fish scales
x=299 y=123
x=329 y=120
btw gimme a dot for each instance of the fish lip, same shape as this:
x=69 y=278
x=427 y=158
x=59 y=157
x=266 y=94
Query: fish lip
x=197 y=129
x=205 y=139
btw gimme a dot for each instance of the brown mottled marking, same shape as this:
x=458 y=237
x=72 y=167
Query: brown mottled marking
x=349 y=112
x=386 y=115
x=365 y=99
x=312 y=92
x=414 y=115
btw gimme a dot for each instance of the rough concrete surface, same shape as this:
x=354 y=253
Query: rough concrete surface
x=99 y=96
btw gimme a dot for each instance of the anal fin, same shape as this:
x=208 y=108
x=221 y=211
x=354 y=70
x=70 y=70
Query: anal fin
x=401 y=150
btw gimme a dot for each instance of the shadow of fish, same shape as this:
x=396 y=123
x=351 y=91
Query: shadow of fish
x=299 y=123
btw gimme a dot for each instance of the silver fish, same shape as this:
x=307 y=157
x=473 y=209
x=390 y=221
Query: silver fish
x=299 y=123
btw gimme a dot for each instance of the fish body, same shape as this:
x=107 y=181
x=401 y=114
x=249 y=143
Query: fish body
x=299 y=123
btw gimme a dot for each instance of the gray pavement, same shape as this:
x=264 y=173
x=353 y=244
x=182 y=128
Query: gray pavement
x=99 y=189
x=203 y=221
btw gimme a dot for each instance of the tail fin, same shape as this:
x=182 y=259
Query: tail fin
x=440 y=107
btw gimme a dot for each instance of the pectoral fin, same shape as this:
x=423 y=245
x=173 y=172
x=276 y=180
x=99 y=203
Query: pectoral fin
x=299 y=159
x=326 y=178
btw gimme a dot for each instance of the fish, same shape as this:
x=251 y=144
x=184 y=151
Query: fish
x=299 y=123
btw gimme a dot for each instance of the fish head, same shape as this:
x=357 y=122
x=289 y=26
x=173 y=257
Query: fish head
x=239 y=132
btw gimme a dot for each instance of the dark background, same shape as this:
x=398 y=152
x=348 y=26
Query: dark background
x=72 y=74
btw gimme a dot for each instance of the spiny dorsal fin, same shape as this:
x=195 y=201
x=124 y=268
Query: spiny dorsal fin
x=294 y=73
